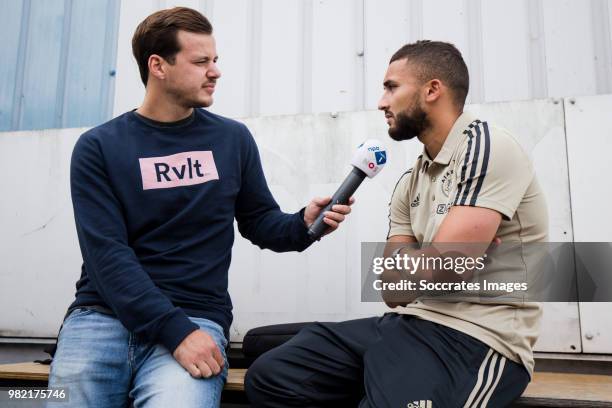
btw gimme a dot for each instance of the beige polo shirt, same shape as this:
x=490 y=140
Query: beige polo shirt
x=483 y=166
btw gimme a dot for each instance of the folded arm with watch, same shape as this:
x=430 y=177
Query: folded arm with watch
x=466 y=232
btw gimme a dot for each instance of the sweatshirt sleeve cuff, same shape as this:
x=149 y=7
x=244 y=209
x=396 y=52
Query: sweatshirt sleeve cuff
x=300 y=231
x=177 y=327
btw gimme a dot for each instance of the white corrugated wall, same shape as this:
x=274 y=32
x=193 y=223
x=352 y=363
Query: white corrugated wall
x=302 y=56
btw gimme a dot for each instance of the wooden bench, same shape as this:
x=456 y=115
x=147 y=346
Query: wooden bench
x=567 y=390
x=546 y=389
x=34 y=372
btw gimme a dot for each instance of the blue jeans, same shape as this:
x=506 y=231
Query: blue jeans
x=102 y=364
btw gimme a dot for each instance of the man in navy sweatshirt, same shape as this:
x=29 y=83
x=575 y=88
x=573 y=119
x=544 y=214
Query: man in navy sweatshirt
x=155 y=193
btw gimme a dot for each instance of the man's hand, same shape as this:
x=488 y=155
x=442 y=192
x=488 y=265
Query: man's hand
x=332 y=218
x=199 y=355
x=395 y=298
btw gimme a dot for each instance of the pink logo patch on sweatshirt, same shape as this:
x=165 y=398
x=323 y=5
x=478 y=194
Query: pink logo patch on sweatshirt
x=177 y=170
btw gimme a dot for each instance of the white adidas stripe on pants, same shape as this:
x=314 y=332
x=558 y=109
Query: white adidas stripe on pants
x=486 y=373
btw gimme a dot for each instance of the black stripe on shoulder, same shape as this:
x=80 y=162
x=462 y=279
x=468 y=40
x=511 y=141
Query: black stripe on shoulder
x=485 y=163
x=465 y=164
x=463 y=189
x=472 y=125
x=473 y=166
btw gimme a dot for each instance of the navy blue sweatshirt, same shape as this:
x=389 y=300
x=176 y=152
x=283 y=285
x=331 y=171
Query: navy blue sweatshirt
x=154 y=206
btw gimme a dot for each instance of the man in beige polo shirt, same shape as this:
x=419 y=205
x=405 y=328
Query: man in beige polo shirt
x=473 y=184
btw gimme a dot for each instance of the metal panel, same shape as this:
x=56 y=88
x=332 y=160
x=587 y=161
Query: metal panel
x=602 y=39
x=278 y=77
x=385 y=33
x=38 y=245
x=10 y=27
x=305 y=59
x=301 y=56
x=88 y=68
x=445 y=20
x=474 y=56
x=231 y=24
x=60 y=60
x=337 y=43
x=589 y=142
x=538 y=85
x=254 y=28
x=38 y=107
x=569 y=49
x=505 y=52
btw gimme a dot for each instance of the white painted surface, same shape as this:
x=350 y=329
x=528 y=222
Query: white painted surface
x=39 y=252
x=570 y=56
x=589 y=142
x=302 y=56
x=303 y=156
x=505 y=51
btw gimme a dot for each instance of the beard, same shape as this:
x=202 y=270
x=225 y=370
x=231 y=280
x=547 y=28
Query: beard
x=409 y=123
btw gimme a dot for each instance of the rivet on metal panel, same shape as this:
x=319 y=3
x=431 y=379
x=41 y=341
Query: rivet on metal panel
x=334 y=115
x=572 y=347
x=588 y=336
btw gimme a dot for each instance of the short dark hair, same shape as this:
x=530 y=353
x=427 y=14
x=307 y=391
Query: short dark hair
x=157 y=34
x=441 y=60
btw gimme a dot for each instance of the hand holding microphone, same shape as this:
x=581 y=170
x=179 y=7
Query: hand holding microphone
x=368 y=160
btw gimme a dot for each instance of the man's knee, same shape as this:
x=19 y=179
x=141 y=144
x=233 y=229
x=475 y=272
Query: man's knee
x=270 y=365
x=258 y=377
x=269 y=381
x=171 y=385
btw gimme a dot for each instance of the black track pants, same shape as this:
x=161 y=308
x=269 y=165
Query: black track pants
x=394 y=361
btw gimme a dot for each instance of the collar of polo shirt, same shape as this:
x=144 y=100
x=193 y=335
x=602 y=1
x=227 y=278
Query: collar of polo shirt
x=454 y=136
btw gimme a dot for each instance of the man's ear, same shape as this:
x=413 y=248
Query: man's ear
x=433 y=91
x=157 y=67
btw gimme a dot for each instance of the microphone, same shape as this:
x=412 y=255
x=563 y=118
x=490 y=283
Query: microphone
x=368 y=160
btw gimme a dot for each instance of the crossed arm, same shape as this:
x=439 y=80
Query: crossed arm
x=463 y=224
